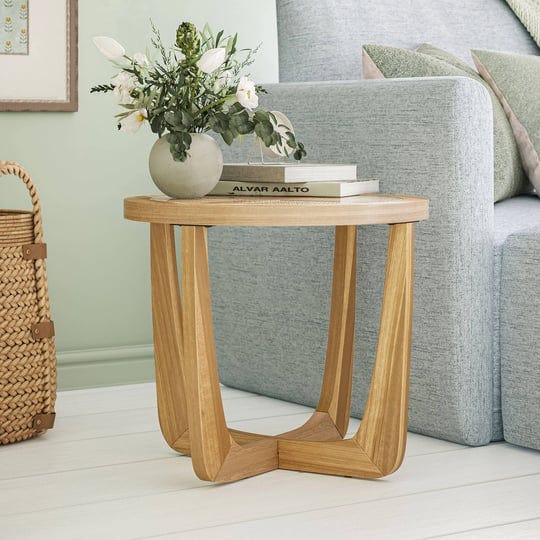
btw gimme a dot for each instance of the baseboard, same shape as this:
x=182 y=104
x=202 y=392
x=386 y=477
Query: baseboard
x=105 y=367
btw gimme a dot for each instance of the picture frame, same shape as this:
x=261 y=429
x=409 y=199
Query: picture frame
x=40 y=61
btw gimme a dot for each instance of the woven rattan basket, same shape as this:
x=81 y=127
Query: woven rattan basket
x=27 y=352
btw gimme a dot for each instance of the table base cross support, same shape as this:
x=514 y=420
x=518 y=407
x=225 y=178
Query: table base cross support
x=189 y=398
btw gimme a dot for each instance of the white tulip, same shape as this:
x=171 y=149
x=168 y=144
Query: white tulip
x=141 y=59
x=211 y=60
x=123 y=84
x=133 y=122
x=109 y=47
x=246 y=94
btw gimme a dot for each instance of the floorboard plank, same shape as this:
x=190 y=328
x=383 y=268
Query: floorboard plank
x=110 y=438
x=118 y=422
x=131 y=409
x=117 y=398
x=144 y=476
x=522 y=530
x=272 y=494
x=105 y=472
x=408 y=518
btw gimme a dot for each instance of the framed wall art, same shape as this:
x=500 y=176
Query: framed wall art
x=38 y=55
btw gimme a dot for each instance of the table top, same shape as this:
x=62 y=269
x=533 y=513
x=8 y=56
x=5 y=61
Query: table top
x=277 y=211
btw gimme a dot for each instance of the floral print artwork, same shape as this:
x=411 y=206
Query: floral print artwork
x=14 y=26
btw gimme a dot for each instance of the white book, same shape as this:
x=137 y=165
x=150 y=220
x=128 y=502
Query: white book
x=305 y=189
x=287 y=172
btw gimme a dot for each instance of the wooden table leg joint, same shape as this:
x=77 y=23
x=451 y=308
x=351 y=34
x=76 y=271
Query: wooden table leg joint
x=189 y=397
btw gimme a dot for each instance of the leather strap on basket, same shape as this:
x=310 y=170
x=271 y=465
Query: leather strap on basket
x=31 y=252
x=44 y=421
x=44 y=310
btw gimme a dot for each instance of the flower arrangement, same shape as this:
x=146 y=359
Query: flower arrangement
x=195 y=86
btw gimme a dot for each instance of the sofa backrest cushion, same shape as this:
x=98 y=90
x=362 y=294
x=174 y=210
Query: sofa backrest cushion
x=322 y=40
x=428 y=61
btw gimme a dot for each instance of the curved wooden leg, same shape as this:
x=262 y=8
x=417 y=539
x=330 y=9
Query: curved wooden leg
x=379 y=445
x=220 y=454
x=383 y=430
x=336 y=389
x=330 y=420
x=216 y=456
x=167 y=323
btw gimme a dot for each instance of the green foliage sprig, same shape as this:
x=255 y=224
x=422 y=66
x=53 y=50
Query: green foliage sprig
x=194 y=86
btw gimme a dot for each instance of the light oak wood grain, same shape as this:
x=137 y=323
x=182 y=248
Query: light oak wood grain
x=318 y=427
x=337 y=382
x=189 y=397
x=168 y=342
x=211 y=441
x=383 y=430
x=343 y=458
x=276 y=211
x=330 y=421
x=216 y=455
x=378 y=447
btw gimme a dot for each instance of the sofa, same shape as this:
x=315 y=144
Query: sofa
x=475 y=374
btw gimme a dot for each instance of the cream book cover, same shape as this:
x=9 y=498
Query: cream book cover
x=305 y=189
x=287 y=172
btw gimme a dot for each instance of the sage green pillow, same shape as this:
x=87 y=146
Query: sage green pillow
x=392 y=62
x=449 y=58
x=515 y=79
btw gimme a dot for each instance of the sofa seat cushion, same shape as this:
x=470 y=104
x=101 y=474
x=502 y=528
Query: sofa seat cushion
x=511 y=217
x=515 y=215
x=519 y=331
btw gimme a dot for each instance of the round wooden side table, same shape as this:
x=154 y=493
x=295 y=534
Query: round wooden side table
x=189 y=398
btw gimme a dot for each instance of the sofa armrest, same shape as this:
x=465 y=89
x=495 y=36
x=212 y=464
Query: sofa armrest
x=430 y=137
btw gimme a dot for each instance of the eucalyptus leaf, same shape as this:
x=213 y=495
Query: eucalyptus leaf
x=264 y=130
x=262 y=116
x=171 y=117
x=187 y=118
x=228 y=137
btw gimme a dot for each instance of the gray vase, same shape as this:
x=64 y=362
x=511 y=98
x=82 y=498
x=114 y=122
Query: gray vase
x=190 y=179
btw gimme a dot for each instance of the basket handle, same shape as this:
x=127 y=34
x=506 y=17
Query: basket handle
x=10 y=167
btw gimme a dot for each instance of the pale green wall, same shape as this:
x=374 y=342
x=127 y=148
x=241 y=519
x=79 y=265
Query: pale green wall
x=98 y=263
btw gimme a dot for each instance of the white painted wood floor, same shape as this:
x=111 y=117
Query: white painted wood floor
x=105 y=473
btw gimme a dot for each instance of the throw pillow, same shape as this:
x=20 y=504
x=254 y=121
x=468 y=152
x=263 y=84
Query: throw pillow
x=515 y=79
x=449 y=58
x=392 y=62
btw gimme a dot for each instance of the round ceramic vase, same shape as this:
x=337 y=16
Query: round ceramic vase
x=190 y=179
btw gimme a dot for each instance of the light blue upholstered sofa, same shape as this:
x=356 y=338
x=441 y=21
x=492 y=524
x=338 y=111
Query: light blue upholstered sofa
x=477 y=289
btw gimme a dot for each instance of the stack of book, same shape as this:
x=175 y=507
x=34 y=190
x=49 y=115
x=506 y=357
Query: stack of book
x=292 y=180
